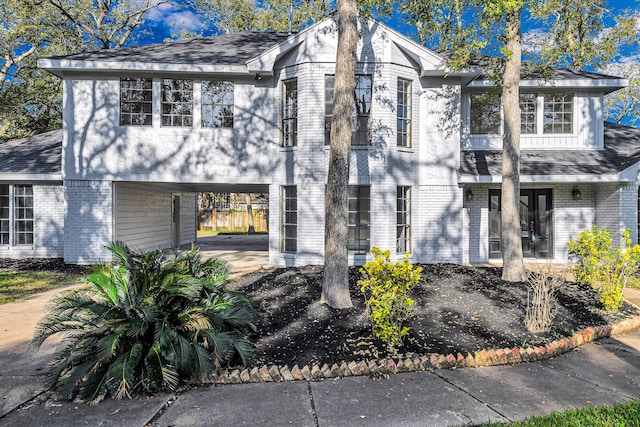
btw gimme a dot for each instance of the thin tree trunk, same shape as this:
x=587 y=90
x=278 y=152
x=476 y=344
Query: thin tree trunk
x=335 y=288
x=513 y=265
x=251 y=230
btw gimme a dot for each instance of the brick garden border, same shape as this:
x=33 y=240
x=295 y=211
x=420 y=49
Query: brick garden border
x=429 y=362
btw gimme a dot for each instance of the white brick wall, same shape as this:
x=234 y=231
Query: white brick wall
x=48 y=226
x=88 y=223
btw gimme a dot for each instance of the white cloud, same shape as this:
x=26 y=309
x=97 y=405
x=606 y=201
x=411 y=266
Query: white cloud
x=534 y=40
x=175 y=19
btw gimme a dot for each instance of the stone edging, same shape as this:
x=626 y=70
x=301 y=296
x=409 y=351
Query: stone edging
x=383 y=367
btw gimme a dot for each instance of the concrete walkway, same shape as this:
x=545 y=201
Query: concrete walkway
x=605 y=372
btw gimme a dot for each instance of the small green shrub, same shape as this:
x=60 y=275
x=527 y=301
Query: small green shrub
x=590 y=250
x=605 y=268
x=147 y=322
x=385 y=286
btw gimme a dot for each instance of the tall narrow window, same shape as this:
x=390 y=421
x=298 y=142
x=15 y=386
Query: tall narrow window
x=403 y=234
x=290 y=113
x=135 y=102
x=361 y=109
x=358 y=239
x=528 y=102
x=4 y=214
x=23 y=214
x=558 y=113
x=217 y=104
x=485 y=115
x=289 y=220
x=177 y=102
x=404 y=113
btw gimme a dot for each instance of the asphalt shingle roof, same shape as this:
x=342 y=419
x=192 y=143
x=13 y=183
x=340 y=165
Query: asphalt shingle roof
x=621 y=150
x=227 y=49
x=39 y=154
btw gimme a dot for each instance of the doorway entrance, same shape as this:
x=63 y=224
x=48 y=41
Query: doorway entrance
x=536 y=227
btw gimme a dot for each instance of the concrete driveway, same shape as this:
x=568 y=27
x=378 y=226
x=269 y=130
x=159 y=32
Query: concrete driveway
x=244 y=252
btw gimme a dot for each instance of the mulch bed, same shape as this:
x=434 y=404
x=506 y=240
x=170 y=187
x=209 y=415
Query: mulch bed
x=43 y=264
x=459 y=309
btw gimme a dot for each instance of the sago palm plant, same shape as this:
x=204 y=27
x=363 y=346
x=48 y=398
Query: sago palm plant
x=146 y=322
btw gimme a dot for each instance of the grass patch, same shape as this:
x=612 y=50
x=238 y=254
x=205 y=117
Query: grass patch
x=15 y=284
x=622 y=414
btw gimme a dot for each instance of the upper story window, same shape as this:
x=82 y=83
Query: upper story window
x=361 y=109
x=217 y=104
x=558 y=113
x=135 y=102
x=485 y=117
x=177 y=102
x=290 y=113
x=404 y=113
x=528 y=103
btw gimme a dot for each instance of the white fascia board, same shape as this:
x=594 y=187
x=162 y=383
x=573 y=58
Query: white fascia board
x=630 y=174
x=266 y=62
x=547 y=179
x=30 y=177
x=58 y=66
x=605 y=84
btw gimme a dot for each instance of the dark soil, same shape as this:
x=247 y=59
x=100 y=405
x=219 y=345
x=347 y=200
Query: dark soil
x=43 y=264
x=458 y=310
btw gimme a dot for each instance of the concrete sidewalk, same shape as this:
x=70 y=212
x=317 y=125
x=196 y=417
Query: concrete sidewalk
x=605 y=372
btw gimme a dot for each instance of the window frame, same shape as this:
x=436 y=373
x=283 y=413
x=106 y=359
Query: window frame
x=530 y=110
x=5 y=215
x=180 y=98
x=404 y=134
x=289 y=125
x=288 y=218
x=144 y=93
x=482 y=128
x=403 y=220
x=359 y=219
x=23 y=215
x=220 y=120
x=553 y=113
x=358 y=135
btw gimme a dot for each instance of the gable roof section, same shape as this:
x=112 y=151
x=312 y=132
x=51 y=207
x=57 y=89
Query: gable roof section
x=34 y=158
x=618 y=161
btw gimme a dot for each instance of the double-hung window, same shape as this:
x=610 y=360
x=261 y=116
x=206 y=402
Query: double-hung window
x=359 y=225
x=5 y=209
x=403 y=222
x=217 y=104
x=404 y=113
x=558 y=113
x=21 y=204
x=361 y=109
x=290 y=113
x=177 y=102
x=485 y=116
x=136 y=102
x=528 y=113
x=289 y=219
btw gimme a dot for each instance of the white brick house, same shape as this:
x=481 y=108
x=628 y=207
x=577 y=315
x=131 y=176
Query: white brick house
x=146 y=128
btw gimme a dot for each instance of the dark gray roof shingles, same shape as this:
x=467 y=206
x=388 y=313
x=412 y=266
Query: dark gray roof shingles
x=228 y=49
x=39 y=154
x=621 y=150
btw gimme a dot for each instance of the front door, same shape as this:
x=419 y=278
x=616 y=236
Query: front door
x=535 y=223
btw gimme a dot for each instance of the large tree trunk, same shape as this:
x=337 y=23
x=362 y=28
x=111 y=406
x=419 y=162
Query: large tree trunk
x=513 y=265
x=335 y=289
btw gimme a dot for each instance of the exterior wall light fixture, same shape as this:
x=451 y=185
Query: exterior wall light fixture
x=576 y=194
x=468 y=195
